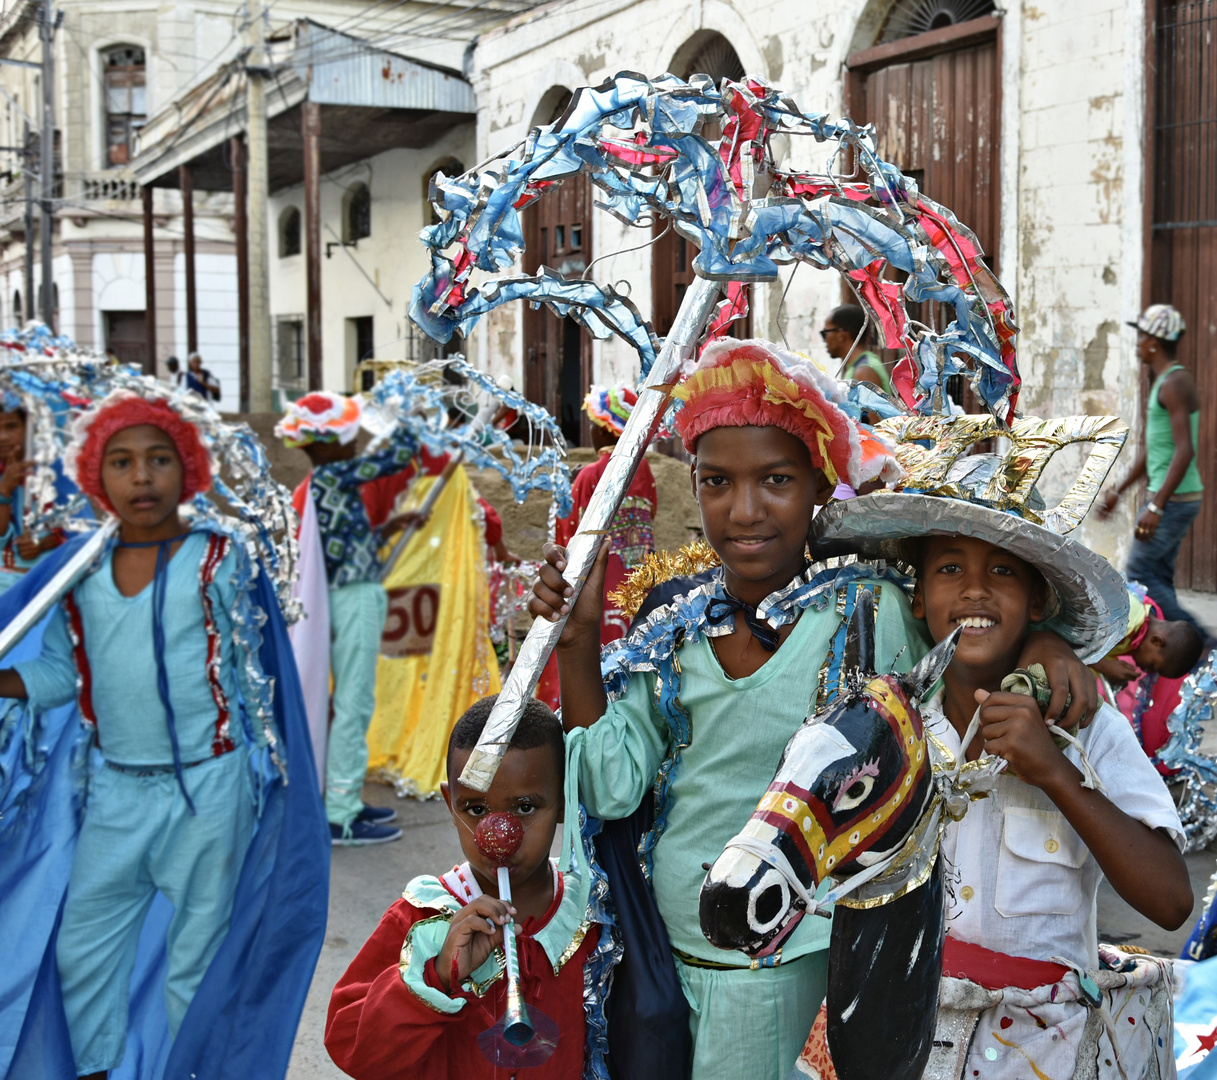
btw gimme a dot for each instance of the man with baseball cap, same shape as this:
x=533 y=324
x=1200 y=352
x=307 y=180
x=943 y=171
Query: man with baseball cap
x=1168 y=458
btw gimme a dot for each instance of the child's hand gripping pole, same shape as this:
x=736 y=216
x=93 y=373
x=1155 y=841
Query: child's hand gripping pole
x=60 y=584
x=695 y=311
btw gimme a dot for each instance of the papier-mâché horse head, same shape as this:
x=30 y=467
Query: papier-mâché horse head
x=853 y=781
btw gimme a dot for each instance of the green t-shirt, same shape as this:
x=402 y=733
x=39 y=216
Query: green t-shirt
x=739 y=729
x=1160 y=443
x=872 y=361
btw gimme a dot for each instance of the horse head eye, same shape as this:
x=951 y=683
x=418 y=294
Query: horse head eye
x=854 y=795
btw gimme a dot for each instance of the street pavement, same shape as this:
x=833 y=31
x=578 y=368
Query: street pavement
x=364 y=882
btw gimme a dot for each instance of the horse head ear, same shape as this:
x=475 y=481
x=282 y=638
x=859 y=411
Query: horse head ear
x=859 y=658
x=918 y=681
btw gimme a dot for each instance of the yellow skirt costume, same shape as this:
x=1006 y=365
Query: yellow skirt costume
x=435 y=655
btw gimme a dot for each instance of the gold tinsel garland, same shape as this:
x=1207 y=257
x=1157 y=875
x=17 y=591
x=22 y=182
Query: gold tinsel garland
x=659 y=567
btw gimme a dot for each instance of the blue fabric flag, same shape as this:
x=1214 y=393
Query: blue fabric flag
x=243 y=1019
x=1196 y=1022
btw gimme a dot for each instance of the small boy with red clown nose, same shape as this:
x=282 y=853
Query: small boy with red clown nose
x=180 y=704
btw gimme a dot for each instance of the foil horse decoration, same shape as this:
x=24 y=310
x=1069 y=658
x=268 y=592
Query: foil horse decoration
x=855 y=799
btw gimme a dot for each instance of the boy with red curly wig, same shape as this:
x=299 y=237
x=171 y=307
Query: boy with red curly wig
x=148 y=645
x=694 y=707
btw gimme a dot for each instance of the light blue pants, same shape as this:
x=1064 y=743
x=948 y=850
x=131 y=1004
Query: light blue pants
x=357 y=620
x=139 y=836
x=751 y=1025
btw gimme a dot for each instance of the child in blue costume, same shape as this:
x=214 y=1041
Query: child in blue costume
x=18 y=548
x=708 y=687
x=324 y=426
x=155 y=646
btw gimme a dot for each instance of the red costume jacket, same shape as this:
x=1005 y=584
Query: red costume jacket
x=379 y=1029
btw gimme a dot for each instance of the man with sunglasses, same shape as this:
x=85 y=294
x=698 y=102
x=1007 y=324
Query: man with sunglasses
x=840 y=337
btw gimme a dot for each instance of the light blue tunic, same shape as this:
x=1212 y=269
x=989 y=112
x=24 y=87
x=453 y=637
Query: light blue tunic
x=746 y=1024
x=139 y=835
x=131 y=723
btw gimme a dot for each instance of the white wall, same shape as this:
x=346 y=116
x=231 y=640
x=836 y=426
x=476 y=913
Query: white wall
x=1072 y=172
x=392 y=259
x=800 y=47
x=218 y=329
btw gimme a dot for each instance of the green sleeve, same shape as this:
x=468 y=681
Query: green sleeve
x=618 y=757
x=900 y=639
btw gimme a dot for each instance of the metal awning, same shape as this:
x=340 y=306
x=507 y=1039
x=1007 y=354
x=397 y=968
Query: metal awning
x=372 y=100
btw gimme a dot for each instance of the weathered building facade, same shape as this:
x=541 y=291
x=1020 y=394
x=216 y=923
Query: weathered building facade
x=1028 y=119
x=114 y=65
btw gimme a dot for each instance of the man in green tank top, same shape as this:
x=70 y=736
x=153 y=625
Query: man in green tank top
x=840 y=337
x=1168 y=459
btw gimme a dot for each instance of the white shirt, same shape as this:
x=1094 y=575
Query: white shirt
x=1024 y=883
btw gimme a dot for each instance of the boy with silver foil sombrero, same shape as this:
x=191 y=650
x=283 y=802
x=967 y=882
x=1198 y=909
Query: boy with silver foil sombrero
x=1025 y=979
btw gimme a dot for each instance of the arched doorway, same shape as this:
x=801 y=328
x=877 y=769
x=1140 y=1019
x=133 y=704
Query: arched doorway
x=705 y=53
x=931 y=85
x=558 y=234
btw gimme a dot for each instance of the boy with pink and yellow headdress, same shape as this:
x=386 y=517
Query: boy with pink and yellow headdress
x=733 y=642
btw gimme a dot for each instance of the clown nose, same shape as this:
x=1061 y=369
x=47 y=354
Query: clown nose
x=498 y=836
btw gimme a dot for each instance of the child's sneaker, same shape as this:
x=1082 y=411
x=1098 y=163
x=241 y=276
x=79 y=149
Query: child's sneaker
x=360 y=833
x=376 y=815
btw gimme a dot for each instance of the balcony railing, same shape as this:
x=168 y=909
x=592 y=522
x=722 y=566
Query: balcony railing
x=110 y=186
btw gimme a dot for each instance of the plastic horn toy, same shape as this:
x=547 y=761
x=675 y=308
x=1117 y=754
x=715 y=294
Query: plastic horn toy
x=699 y=156
x=519 y=1039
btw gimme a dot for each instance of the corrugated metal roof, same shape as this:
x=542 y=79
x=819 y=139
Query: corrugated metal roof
x=342 y=70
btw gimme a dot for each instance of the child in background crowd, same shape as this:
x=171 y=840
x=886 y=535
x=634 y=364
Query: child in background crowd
x=1028 y=858
x=708 y=688
x=429 y=981
x=150 y=642
x=1159 y=654
x=632 y=534
x=325 y=425
x=21 y=550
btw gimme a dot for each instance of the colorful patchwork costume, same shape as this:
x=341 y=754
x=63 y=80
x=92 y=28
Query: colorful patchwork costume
x=358 y=603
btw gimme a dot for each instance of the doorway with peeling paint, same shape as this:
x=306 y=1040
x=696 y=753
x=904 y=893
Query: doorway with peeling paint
x=1182 y=240
x=931 y=85
x=558 y=234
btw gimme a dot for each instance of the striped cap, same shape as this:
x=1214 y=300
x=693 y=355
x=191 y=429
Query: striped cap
x=1161 y=321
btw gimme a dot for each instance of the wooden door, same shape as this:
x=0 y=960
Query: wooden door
x=1183 y=231
x=126 y=336
x=671 y=275
x=558 y=352
x=935 y=100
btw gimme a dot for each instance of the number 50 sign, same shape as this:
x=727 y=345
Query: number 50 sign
x=410 y=625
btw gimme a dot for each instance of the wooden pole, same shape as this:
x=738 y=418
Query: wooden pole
x=47 y=29
x=186 y=182
x=261 y=375
x=311 y=124
x=149 y=284
x=241 y=225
